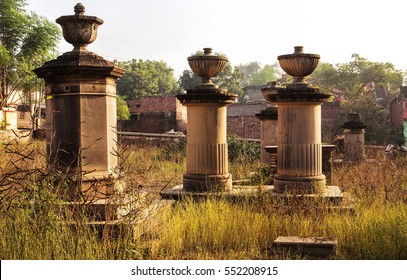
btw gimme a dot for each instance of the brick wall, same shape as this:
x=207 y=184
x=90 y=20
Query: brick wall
x=155 y=114
x=247 y=127
x=246 y=109
x=161 y=114
x=147 y=104
x=243 y=123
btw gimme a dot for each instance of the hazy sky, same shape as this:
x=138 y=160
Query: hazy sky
x=254 y=30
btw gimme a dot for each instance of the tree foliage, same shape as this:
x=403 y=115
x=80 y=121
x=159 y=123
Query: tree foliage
x=146 y=78
x=365 y=87
x=188 y=80
x=123 y=112
x=358 y=77
x=229 y=78
x=248 y=70
x=26 y=42
x=254 y=74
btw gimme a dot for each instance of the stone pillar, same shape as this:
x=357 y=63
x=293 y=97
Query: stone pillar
x=268 y=130
x=299 y=153
x=207 y=151
x=299 y=144
x=80 y=89
x=354 y=134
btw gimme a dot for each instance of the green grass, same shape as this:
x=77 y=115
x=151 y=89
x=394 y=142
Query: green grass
x=34 y=224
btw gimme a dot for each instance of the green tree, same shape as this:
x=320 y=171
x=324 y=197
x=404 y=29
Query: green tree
x=267 y=74
x=229 y=78
x=248 y=70
x=188 y=80
x=357 y=81
x=358 y=77
x=122 y=109
x=26 y=42
x=376 y=118
x=255 y=75
x=144 y=78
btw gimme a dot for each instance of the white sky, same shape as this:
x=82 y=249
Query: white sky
x=254 y=30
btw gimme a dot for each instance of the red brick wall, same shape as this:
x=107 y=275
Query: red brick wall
x=247 y=127
x=246 y=109
x=161 y=114
x=147 y=104
x=154 y=114
x=243 y=123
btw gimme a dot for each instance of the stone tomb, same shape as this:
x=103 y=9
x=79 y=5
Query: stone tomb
x=299 y=157
x=354 y=138
x=81 y=113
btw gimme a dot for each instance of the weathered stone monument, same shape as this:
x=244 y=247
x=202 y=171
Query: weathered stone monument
x=207 y=151
x=81 y=111
x=299 y=153
x=299 y=147
x=268 y=130
x=354 y=138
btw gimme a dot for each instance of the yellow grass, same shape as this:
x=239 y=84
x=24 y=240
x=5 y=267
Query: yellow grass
x=31 y=215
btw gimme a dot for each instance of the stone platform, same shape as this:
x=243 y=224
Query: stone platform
x=331 y=195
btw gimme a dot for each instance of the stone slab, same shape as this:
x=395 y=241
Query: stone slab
x=177 y=192
x=311 y=246
x=332 y=200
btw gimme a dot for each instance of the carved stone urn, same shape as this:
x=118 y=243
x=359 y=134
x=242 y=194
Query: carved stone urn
x=299 y=65
x=79 y=29
x=207 y=66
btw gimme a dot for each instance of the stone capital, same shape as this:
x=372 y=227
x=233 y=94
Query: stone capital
x=201 y=97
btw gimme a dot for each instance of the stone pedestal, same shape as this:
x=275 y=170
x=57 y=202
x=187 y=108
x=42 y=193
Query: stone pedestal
x=80 y=89
x=299 y=153
x=268 y=130
x=207 y=151
x=299 y=141
x=354 y=138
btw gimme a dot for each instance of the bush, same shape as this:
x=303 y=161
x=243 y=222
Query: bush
x=242 y=150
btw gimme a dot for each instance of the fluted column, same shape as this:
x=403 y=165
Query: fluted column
x=299 y=147
x=207 y=151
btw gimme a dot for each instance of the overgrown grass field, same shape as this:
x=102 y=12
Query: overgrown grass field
x=36 y=224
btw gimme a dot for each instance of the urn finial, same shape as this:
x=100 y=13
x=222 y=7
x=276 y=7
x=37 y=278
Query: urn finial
x=207 y=66
x=79 y=9
x=299 y=65
x=79 y=29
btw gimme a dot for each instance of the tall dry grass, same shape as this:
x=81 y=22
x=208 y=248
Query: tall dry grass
x=35 y=225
